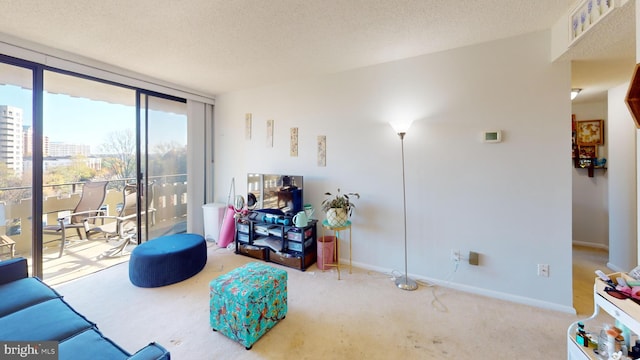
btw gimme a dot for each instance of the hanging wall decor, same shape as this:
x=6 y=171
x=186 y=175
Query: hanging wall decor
x=590 y=132
x=293 y=144
x=270 y=133
x=247 y=126
x=574 y=136
x=588 y=151
x=322 y=150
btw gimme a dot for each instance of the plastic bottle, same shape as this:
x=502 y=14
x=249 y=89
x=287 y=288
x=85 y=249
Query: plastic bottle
x=614 y=340
x=608 y=340
x=635 y=350
x=626 y=334
x=581 y=335
x=603 y=349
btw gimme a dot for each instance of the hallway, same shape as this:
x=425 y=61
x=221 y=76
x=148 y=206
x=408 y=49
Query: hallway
x=586 y=260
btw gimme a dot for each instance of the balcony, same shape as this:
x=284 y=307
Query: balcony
x=82 y=257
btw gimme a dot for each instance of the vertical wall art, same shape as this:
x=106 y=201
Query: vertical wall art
x=322 y=150
x=270 y=133
x=247 y=126
x=293 y=144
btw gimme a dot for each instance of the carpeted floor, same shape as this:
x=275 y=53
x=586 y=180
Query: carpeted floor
x=362 y=316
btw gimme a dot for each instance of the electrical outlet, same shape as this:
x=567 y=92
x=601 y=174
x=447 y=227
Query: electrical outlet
x=473 y=258
x=455 y=255
x=543 y=270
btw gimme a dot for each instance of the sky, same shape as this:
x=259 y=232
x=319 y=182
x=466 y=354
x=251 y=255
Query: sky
x=77 y=120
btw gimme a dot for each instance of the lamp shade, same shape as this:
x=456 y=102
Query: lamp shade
x=400 y=126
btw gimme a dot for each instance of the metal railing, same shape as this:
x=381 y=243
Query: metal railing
x=169 y=200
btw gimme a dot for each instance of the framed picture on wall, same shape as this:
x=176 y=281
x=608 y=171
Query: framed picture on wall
x=322 y=150
x=588 y=151
x=574 y=145
x=293 y=142
x=247 y=126
x=270 y=133
x=590 y=132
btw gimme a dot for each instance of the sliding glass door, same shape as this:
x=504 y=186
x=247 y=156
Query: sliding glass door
x=16 y=149
x=163 y=164
x=88 y=133
x=62 y=135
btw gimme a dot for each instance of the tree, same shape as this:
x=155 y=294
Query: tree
x=168 y=158
x=77 y=171
x=120 y=153
x=8 y=179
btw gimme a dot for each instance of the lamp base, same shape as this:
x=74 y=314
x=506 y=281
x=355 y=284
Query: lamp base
x=405 y=283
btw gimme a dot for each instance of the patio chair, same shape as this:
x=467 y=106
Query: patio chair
x=123 y=227
x=91 y=200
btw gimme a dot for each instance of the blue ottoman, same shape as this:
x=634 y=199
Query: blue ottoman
x=167 y=260
x=248 y=301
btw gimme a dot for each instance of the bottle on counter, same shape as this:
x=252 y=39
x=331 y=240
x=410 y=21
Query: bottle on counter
x=581 y=335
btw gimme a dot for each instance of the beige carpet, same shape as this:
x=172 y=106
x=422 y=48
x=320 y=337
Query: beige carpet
x=362 y=316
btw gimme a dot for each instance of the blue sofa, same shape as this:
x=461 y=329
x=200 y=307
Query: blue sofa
x=30 y=310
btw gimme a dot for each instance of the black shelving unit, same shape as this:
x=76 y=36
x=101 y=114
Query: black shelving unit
x=283 y=244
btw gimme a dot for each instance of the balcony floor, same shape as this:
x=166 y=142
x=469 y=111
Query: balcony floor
x=84 y=257
x=79 y=259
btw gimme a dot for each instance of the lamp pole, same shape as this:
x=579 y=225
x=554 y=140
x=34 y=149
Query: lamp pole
x=404 y=282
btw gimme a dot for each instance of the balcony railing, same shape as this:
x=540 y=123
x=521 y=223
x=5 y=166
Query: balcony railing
x=169 y=200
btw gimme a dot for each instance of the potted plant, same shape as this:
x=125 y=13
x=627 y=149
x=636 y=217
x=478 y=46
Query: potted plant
x=338 y=208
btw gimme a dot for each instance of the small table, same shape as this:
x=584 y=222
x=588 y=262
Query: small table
x=8 y=242
x=336 y=230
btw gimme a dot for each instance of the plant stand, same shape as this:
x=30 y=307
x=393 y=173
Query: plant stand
x=336 y=230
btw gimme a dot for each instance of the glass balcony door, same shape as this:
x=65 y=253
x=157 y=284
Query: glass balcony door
x=59 y=131
x=163 y=164
x=16 y=149
x=89 y=133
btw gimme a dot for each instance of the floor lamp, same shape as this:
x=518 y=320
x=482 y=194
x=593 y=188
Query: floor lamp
x=404 y=282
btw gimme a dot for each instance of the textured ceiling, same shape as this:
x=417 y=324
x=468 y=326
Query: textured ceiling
x=214 y=46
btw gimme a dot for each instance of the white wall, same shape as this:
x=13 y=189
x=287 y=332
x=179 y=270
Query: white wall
x=622 y=183
x=590 y=195
x=198 y=162
x=511 y=201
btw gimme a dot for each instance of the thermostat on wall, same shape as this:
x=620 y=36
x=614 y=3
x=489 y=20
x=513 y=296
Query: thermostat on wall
x=492 y=136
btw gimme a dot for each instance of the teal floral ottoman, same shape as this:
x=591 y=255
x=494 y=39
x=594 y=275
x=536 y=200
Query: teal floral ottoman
x=248 y=301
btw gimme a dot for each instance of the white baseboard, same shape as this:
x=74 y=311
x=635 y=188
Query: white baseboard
x=591 y=245
x=616 y=268
x=474 y=290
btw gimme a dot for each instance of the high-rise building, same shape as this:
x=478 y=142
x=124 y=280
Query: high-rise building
x=59 y=149
x=11 y=141
x=27 y=140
